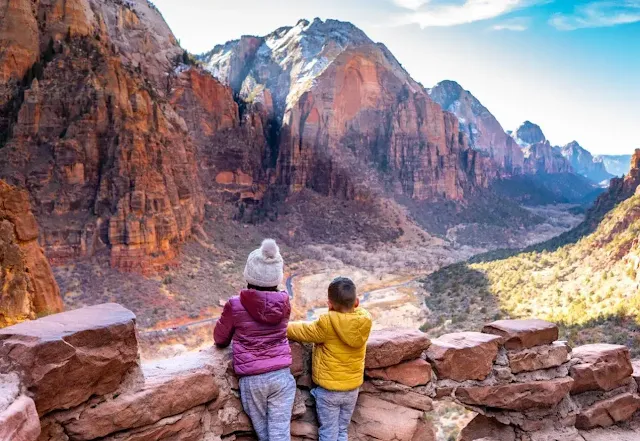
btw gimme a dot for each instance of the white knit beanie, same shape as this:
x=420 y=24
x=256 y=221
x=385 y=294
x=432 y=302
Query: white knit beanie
x=265 y=267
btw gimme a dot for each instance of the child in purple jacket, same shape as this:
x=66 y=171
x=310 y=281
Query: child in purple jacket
x=256 y=321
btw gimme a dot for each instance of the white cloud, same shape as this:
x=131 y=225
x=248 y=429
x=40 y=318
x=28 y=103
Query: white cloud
x=447 y=14
x=598 y=14
x=410 y=4
x=515 y=24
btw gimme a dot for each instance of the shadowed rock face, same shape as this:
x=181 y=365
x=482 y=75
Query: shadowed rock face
x=539 y=155
x=28 y=288
x=353 y=122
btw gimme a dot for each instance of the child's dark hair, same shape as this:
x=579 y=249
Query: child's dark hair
x=342 y=293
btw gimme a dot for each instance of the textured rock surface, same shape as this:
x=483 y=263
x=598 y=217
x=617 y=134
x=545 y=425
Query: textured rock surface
x=483 y=130
x=539 y=357
x=463 y=355
x=390 y=347
x=609 y=412
x=162 y=389
x=65 y=358
x=411 y=373
x=378 y=419
x=115 y=167
x=522 y=334
x=601 y=367
x=482 y=427
x=28 y=286
x=19 y=421
x=517 y=396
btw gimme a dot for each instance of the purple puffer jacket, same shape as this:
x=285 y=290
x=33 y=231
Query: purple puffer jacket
x=256 y=321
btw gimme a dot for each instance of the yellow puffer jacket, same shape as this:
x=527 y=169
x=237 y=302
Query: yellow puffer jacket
x=340 y=346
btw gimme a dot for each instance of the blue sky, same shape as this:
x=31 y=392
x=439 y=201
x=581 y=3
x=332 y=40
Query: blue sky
x=573 y=67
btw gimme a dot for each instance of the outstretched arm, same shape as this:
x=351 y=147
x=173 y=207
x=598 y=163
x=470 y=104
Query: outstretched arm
x=314 y=332
x=223 y=331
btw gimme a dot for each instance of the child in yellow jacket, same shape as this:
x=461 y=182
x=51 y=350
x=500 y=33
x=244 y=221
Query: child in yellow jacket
x=340 y=343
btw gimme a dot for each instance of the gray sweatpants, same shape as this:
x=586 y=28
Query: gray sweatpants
x=334 y=412
x=268 y=400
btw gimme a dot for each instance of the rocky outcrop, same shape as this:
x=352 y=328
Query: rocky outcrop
x=28 y=288
x=481 y=128
x=584 y=163
x=63 y=359
x=195 y=396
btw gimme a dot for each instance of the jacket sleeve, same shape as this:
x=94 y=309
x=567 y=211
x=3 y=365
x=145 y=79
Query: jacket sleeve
x=223 y=331
x=315 y=332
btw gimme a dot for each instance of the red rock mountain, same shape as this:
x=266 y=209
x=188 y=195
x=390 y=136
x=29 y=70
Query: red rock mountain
x=352 y=120
x=482 y=129
x=27 y=286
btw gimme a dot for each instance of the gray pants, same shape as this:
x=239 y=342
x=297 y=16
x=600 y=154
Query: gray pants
x=334 y=412
x=268 y=400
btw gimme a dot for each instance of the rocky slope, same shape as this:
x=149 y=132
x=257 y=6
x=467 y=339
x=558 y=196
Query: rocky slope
x=483 y=130
x=585 y=164
x=352 y=121
x=588 y=279
x=28 y=289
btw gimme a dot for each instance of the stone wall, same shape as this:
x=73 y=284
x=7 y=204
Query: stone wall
x=76 y=376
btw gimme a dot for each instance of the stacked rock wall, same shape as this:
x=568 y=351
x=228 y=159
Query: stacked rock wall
x=76 y=376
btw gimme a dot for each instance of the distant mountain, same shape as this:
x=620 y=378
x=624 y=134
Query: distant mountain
x=482 y=128
x=539 y=155
x=617 y=165
x=585 y=164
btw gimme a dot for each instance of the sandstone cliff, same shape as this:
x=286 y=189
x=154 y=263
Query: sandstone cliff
x=28 y=289
x=352 y=121
x=91 y=132
x=482 y=129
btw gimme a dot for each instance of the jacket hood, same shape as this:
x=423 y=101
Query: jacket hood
x=266 y=307
x=353 y=328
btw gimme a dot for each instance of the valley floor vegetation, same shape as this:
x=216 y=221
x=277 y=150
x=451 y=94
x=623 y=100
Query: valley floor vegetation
x=589 y=286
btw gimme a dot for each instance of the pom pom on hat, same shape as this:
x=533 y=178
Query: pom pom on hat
x=265 y=267
x=269 y=248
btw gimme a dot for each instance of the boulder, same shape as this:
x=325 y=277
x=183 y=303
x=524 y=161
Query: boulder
x=19 y=421
x=411 y=373
x=600 y=367
x=608 y=412
x=298 y=355
x=539 y=357
x=392 y=346
x=377 y=419
x=522 y=334
x=516 y=396
x=64 y=359
x=168 y=387
x=484 y=427
x=407 y=398
x=463 y=355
